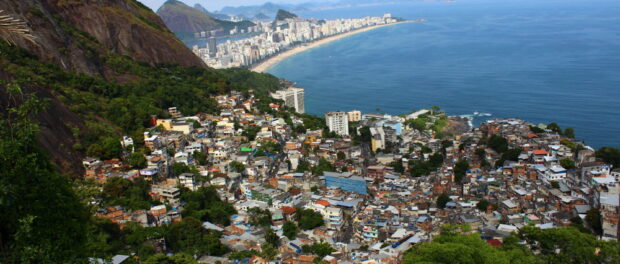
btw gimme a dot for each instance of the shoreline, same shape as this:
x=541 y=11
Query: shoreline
x=274 y=60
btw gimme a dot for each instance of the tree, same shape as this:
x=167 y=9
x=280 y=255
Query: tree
x=498 y=143
x=609 y=155
x=188 y=236
x=320 y=249
x=201 y=158
x=483 y=205
x=442 y=200
x=555 y=128
x=567 y=163
x=41 y=220
x=259 y=217
x=175 y=259
x=137 y=160
x=179 y=168
x=593 y=218
x=272 y=238
x=237 y=166
x=131 y=194
x=290 y=230
x=569 y=132
x=460 y=170
x=341 y=156
x=308 y=218
x=536 y=129
x=398 y=166
x=205 y=204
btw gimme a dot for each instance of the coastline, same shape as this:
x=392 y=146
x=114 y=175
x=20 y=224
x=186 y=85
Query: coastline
x=273 y=61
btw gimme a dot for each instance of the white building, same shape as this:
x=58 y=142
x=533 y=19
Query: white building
x=292 y=97
x=338 y=122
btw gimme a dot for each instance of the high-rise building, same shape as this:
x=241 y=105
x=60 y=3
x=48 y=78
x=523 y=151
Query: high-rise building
x=292 y=97
x=354 y=115
x=212 y=46
x=338 y=122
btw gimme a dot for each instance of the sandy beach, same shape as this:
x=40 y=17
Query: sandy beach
x=265 y=65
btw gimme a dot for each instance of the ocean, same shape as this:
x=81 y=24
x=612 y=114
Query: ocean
x=542 y=61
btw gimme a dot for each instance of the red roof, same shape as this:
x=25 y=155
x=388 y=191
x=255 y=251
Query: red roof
x=287 y=210
x=494 y=242
x=323 y=202
x=540 y=152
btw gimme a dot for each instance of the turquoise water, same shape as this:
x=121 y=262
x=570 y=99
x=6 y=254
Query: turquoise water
x=542 y=61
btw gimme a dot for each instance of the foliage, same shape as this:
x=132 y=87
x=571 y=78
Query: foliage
x=460 y=170
x=132 y=195
x=593 y=218
x=483 y=205
x=204 y=204
x=303 y=166
x=511 y=154
x=323 y=166
x=175 y=259
x=188 y=236
x=398 y=166
x=272 y=238
x=308 y=219
x=259 y=217
x=107 y=148
x=567 y=163
x=341 y=156
x=498 y=143
x=320 y=249
x=536 y=129
x=453 y=247
x=250 y=132
x=290 y=230
x=42 y=219
x=201 y=158
x=569 y=245
x=422 y=168
x=237 y=166
x=270 y=147
x=609 y=155
x=555 y=128
x=442 y=200
x=569 y=132
x=137 y=160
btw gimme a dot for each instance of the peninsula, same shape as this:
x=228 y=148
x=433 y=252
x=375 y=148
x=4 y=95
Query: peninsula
x=265 y=65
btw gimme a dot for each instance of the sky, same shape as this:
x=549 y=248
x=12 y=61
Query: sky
x=214 y=5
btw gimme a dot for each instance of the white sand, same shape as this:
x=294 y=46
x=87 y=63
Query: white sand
x=266 y=64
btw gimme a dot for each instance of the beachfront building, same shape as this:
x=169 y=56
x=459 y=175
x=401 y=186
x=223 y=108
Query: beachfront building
x=338 y=122
x=354 y=115
x=292 y=97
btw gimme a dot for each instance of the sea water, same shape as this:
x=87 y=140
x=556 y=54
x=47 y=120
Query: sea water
x=542 y=61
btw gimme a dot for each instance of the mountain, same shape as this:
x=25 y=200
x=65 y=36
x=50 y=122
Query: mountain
x=103 y=67
x=216 y=16
x=184 y=20
x=268 y=9
x=283 y=15
x=261 y=16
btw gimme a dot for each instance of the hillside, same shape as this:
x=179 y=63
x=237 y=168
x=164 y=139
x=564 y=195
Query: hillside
x=283 y=15
x=103 y=68
x=184 y=20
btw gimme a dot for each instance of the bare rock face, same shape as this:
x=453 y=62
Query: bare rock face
x=78 y=36
x=184 y=19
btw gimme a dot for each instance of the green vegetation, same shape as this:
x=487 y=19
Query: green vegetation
x=323 y=166
x=132 y=195
x=176 y=259
x=42 y=219
x=511 y=154
x=137 y=160
x=237 y=166
x=498 y=143
x=308 y=219
x=423 y=168
x=567 y=163
x=283 y=14
x=320 y=249
x=482 y=205
x=442 y=200
x=111 y=109
x=204 y=204
x=188 y=236
x=594 y=220
x=290 y=230
x=609 y=155
x=259 y=217
x=460 y=171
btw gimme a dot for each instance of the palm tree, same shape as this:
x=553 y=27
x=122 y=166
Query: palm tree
x=12 y=29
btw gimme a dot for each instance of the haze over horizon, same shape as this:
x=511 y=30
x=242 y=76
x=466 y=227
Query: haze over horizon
x=216 y=5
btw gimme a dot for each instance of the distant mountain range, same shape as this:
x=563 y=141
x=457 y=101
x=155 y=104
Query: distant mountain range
x=185 y=20
x=268 y=9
